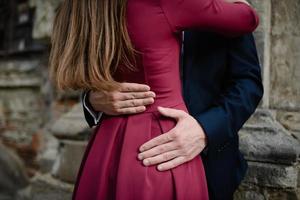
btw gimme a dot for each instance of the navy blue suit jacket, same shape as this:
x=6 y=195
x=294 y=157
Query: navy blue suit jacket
x=222 y=87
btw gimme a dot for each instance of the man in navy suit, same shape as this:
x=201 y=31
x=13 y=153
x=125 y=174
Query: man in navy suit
x=222 y=87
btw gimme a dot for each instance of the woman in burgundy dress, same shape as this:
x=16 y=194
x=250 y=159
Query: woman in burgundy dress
x=98 y=43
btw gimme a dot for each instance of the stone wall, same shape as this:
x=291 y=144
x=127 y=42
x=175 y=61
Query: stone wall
x=44 y=16
x=21 y=98
x=285 y=59
x=263 y=42
x=270 y=139
x=28 y=103
x=285 y=55
x=273 y=158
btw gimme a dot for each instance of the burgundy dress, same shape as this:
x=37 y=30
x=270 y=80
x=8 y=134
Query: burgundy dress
x=110 y=168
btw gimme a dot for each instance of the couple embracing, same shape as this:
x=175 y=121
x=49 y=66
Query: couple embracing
x=168 y=84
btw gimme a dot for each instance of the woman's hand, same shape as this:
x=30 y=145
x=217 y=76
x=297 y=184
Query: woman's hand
x=235 y=1
x=131 y=98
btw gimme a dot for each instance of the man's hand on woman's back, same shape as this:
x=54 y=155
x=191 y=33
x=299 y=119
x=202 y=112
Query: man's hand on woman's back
x=130 y=98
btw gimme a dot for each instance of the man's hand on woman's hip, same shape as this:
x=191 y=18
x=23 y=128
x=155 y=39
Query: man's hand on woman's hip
x=180 y=145
x=130 y=98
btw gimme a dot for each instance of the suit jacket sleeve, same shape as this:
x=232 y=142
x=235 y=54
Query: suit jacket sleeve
x=239 y=100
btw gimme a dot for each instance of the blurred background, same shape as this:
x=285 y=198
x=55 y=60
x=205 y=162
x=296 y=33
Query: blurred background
x=43 y=133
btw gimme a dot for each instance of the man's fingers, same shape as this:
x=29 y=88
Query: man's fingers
x=157 y=150
x=132 y=106
x=132 y=110
x=161 y=158
x=171 y=164
x=135 y=95
x=170 y=112
x=135 y=103
x=163 y=138
x=134 y=87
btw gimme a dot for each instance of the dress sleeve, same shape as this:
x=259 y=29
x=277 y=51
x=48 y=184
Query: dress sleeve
x=231 y=19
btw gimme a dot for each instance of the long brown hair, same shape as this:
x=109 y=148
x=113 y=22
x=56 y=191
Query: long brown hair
x=89 y=41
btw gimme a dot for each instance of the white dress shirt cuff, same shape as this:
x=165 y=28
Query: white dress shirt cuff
x=96 y=115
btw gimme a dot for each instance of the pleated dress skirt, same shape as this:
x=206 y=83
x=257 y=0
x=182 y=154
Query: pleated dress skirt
x=110 y=169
